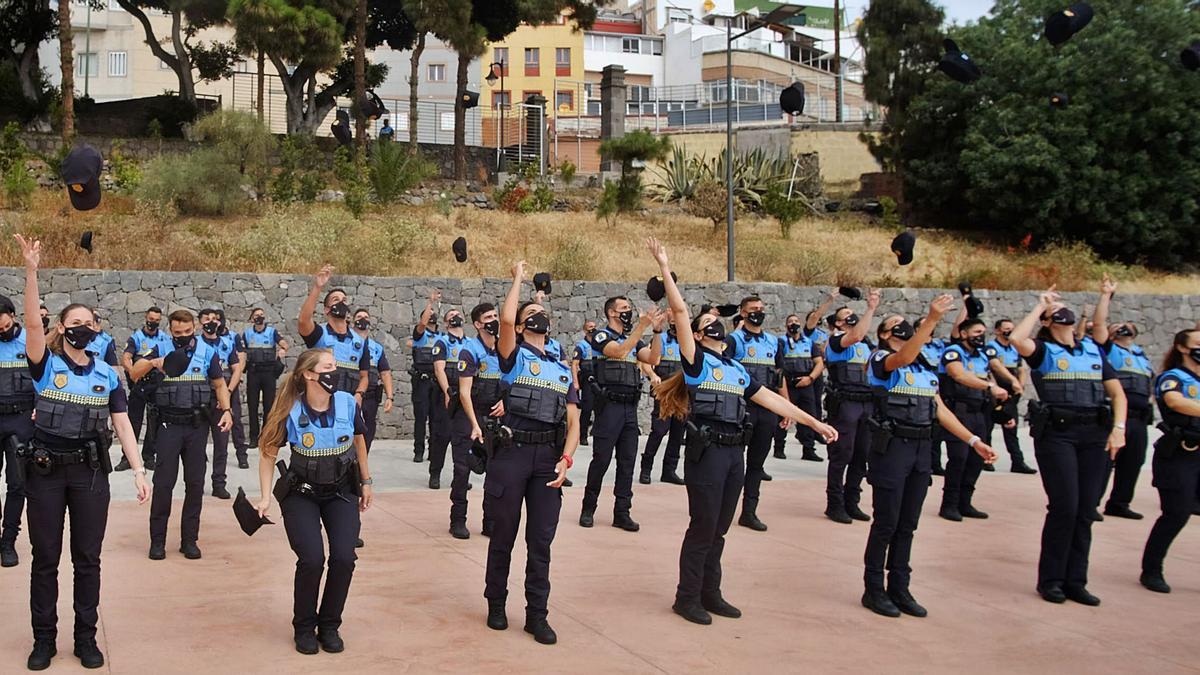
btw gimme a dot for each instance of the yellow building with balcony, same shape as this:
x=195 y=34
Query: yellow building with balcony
x=546 y=59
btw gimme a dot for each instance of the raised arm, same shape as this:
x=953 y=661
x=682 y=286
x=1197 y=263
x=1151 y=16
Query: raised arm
x=35 y=336
x=912 y=349
x=959 y=318
x=435 y=296
x=305 y=323
x=1081 y=324
x=1022 y=335
x=1100 y=319
x=506 y=343
x=679 y=308
x=854 y=334
x=814 y=317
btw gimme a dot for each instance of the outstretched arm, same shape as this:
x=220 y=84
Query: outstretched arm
x=305 y=323
x=506 y=344
x=679 y=309
x=854 y=334
x=779 y=405
x=814 y=317
x=1100 y=319
x=912 y=349
x=1022 y=335
x=35 y=337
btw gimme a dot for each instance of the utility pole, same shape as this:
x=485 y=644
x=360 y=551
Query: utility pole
x=837 y=57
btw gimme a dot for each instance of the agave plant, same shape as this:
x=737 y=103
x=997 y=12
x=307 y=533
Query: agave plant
x=677 y=179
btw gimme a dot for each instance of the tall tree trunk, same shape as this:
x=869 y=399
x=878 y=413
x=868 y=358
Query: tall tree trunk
x=66 y=50
x=414 y=75
x=360 y=74
x=460 y=119
x=183 y=63
x=262 y=76
x=27 y=66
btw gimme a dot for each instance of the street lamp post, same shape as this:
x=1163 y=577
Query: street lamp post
x=491 y=80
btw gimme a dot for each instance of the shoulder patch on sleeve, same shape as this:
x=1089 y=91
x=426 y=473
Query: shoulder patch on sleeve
x=990 y=352
x=601 y=336
x=880 y=355
x=950 y=355
x=1168 y=384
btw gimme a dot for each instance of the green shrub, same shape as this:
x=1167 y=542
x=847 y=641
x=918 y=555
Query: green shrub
x=300 y=177
x=202 y=183
x=760 y=259
x=525 y=191
x=606 y=205
x=244 y=140
x=632 y=149
x=292 y=236
x=395 y=170
x=401 y=237
x=573 y=258
x=787 y=211
x=126 y=174
x=18 y=185
x=678 y=177
x=354 y=178
x=566 y=169
x=813 y=267
x=11 y=148
x=708 y=200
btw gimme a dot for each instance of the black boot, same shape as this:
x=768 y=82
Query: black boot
x=692 y=611
x=623 y=521
x=1080 y=594
x=306 y=643
x=671 y=477
x=950 y=513
x=497 y=619
x=243 y=463
x=856 y=513
x=435 y=482
x=418 y=456
x=587 y=517
x=969 y=511
x=1155 y=582
x=1019 y=466
x=904 y=601
x=780 y=454
x=331 y=641
x=750 y=519
x=43 y=651
x=89 y=654
x=8 y=554
x=837 y=513
x=158 y=550
x=717 y=605
x=541 y=631
x=122 y=465
x=810 y=454
x=220 y=492
x=190 y=550
x=644 y=476
x=1121 y=511
x=1052 y=593
x=460 y=531
x=877 y=601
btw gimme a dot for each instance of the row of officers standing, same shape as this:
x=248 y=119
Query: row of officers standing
x=512 y=402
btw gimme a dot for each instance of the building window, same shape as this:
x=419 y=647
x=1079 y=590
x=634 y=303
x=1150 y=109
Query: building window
x=656 y=47
x=87 y=64
x=529 y=92
x=532 y=61
x=631 y=45
x=562 y=61
x=501 y=98
x=500 y=55
x=564 y=100
x=437 y=72
x=118 y=64
x=676 y=15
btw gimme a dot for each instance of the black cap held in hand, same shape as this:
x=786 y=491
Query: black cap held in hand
x=1063 y=25
x=81 y=172
x=655 y=288
x=850 y=292
x=974 y=307
x=964 y=288
x=902 y=246
x=727 y=310
x=247 y=515
x=460 y=249
x=958 y=65
x=541 y=282
x=85 y=241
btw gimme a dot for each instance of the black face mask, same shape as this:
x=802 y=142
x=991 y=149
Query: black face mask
x=538 y=323
x=431 y=327
x=339 y=310
x=328 y=381
x=45 y=323
x=1063 y=317
x=182 y=342
x=977 y=341
x=756 y=318
x=1124 y=331
x=851 y=320
x=362 y=324
x=79 y=336
x=1006 y=334
x=151 y=326
x=492 y=327
x=626 y=318
x=902 y=330
x=211 y=327
x=1195 y=354
x=715 y=331
x=455 y=322
x=794 y=328
x=260 y=320
x=8 y=334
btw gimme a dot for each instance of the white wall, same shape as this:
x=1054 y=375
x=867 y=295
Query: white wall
x=595 y=60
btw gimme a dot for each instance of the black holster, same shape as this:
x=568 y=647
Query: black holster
x=696 y=441
x=1039 y=418
x=14 y=454
x=882 y=432
x=832 y=404
x=282 y=486
x=97 y=455
x=455 y=402
x=599 y=400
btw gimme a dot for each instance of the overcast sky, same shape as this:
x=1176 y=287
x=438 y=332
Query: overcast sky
x=959 y=11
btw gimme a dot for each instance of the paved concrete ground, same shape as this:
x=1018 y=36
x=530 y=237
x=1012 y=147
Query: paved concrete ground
x=417 y=606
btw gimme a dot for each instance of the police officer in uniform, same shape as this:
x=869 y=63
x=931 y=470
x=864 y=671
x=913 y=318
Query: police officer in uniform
x=141 y=393
x=619 y=350
x=67 y=466
x=236 y=376
x=820 y=338
x=669 y=428
x=480 y=404
x=968 y=392
x=103 y=344
x=931 y=358
x=425 y=335
x=803 y=366
x=581 y=371
x=445 y=403
x=530 y=461
x=1136 y=375
x=16 y=425
x=231 y=365
x=906 y=405
x=192 y=380
x=379 y=377
x=265 y=351
x=758 y=352
x=327 y=483
x=1075 y=434
x=1006 y=414
x=848 y=407
x=711 y=392
x=349 y=350
x=1176 y=456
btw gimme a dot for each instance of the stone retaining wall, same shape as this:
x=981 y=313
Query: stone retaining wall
x=395 y=302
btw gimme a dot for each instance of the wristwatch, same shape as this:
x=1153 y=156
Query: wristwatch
x=1120 y=426
x=140 y=470
x=368 y=481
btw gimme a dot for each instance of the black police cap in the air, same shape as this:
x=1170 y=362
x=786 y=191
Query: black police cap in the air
x=903 y=245
x=656 y=289
x=1191 y=56
x=247 y=515
x=341 y=128
x=541 y=282
x=85 y=241
x=850 y=292
x=958 y=65
x=974 y=304
x=81 y=172
x=1059 y=100
x=460 y=249
x=792 y=99
x=370 y=106
x=1063 y=25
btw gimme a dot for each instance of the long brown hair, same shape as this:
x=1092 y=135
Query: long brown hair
x=1174 y=357
x=55 y=342
x=274 y=431
x=674 y=399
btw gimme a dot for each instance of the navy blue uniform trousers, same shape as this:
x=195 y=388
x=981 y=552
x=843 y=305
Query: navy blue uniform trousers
x=765 y=423
x=615 y=430
x=848 y=454
x=713 y=486
x=21 y=426
x=1177 y=477
x=423 y=387
x=1073 y=463
x=670 y=429
x=964 y=465
x=303 y=517
x=518 y=474
x=1128 y=465
x=178 y=443
x=899 y=480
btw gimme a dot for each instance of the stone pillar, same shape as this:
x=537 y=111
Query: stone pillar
x=612 y=109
